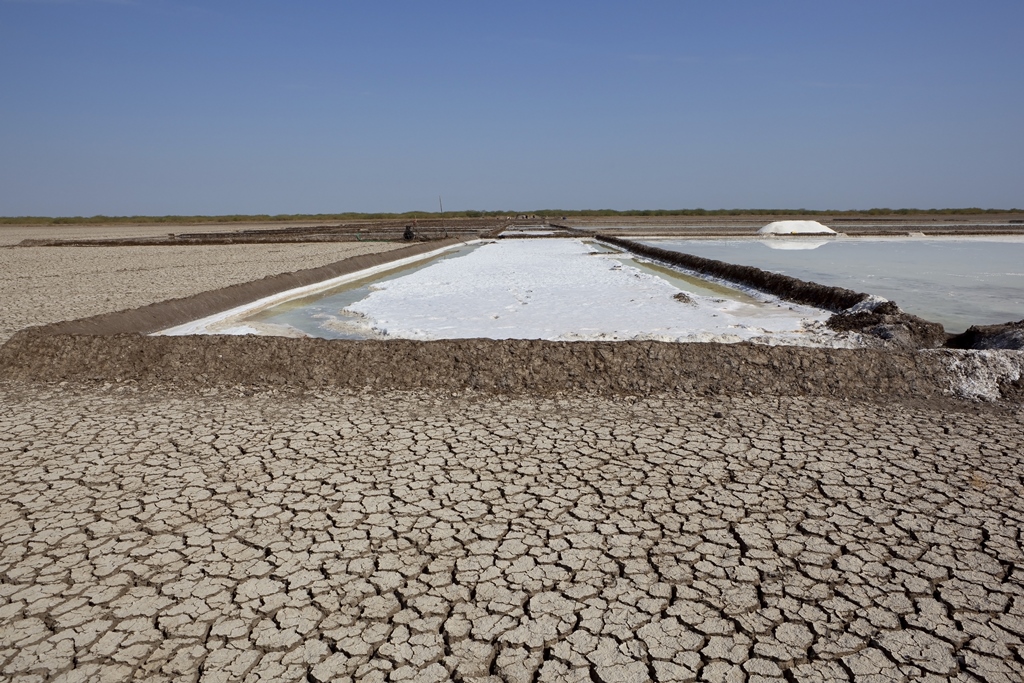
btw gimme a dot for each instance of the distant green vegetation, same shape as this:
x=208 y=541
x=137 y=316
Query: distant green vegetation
x=409 y=215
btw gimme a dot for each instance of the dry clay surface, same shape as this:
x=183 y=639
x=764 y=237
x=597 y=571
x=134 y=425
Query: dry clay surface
x=12 y=234
x=411 y=537
x=40 y=285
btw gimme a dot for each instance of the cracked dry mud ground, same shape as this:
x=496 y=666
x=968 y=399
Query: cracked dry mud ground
x=330 y=537
x=40 y=285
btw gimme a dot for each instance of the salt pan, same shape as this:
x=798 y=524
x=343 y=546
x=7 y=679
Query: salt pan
x=564 y=289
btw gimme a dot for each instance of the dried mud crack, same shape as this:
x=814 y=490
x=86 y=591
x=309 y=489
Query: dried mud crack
x=232 y=509
x=329 y=536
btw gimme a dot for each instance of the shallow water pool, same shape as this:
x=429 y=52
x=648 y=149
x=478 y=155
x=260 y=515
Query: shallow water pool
x=958 y=282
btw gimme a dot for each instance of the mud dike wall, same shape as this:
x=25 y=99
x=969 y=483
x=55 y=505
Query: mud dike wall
x=491 y=366
x=793 y=289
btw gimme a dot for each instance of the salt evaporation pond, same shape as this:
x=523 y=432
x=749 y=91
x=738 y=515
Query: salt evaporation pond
x=957 y=281
x=556 y=289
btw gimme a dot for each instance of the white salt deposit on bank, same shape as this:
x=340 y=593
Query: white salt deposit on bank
x=796 y=228
x=976 y=375
x=563 y=289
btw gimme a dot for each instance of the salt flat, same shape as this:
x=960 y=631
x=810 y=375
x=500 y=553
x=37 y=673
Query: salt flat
x=569 y=289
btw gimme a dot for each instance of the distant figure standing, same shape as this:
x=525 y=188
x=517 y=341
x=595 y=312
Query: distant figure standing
x=408 y=233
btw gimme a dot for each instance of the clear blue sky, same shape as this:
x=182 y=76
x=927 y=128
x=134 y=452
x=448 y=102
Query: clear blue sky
x=252 y=106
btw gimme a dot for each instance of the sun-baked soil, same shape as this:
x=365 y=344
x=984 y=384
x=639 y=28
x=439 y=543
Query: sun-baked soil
x=13 y=234
x=40 y=285
x=161 y=534
x=266 y=509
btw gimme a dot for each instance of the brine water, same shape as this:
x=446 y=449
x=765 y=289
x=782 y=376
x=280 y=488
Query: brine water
x=957 y=281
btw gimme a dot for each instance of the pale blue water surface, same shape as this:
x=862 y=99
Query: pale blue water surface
x=958 y=282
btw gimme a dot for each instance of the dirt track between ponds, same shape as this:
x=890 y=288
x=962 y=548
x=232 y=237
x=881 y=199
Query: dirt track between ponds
x=167 y=536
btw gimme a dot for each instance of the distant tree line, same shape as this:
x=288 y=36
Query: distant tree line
x=546 y=213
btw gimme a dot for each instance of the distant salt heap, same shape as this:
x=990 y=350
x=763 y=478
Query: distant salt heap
x=796 y=228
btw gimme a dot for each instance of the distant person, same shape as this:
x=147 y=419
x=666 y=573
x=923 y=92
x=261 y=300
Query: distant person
x=408 y=235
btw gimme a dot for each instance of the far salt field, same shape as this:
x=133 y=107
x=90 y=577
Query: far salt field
x=555 y=289
x=957 y=282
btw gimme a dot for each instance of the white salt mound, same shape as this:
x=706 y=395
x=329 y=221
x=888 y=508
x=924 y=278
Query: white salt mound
x=796 y=228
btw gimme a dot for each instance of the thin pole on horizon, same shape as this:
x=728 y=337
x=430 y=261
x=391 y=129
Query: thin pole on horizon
x=441 y=205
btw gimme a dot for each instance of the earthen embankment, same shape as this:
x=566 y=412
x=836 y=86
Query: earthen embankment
x=491 y=366
x=793 y=289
